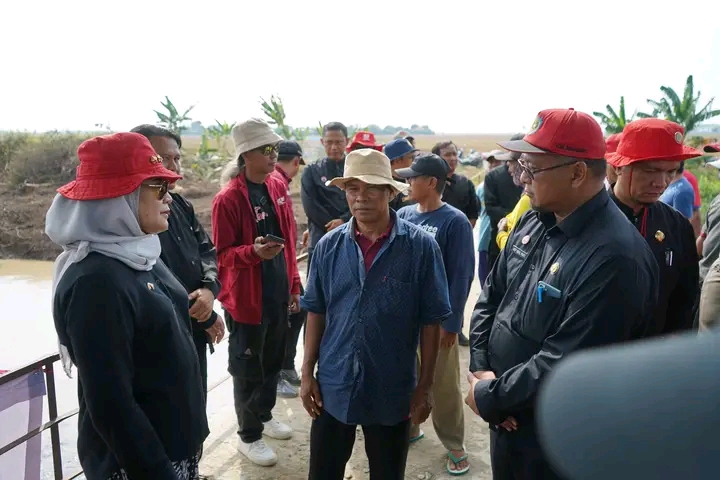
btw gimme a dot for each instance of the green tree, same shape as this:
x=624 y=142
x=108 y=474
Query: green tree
x=172 y=119
x=275 y=111
x=685 y=110
x=614 y=122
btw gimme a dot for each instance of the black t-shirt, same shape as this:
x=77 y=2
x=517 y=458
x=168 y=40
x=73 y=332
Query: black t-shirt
x=274 y=271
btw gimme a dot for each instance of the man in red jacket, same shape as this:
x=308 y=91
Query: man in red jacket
x=253 y=224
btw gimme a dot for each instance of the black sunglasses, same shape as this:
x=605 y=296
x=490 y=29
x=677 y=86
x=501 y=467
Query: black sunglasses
x=162 y=188
x=532 y=172
x=267 y=150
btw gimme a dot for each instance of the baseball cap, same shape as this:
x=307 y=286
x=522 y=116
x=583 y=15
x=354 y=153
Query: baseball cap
x=428 y=164
x=712 y=148
x=499 y=155
x=398 y=148
x=290 y=149
x=562 y=131
x=612 y=142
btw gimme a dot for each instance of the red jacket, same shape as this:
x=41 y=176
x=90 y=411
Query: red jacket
x=234 y=230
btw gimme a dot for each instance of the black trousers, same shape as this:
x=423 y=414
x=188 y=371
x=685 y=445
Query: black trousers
x=296 y=323
x=331 y=444
x=517 y=456
x=255 y=357
x=200 y=339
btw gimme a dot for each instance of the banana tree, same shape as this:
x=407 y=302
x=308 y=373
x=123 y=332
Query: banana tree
x=220 y=133
x=172 y=119
x=614 y=122
x=275 y=111
x=685 y=110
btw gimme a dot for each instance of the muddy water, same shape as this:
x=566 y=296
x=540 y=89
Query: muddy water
x=27 y=333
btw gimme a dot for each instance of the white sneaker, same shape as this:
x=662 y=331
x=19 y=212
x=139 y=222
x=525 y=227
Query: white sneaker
x=258 y=452
x=277 y=430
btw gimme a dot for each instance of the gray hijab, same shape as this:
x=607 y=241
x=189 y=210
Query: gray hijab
x=109 y=227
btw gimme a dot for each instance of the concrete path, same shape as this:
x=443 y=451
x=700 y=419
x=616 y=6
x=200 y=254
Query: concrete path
x=425 y=460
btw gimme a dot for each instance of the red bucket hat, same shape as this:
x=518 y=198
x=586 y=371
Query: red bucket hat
x=364 y=138
x=652 y=139
x=114 y=165
x=712 y=148
x=562 y=131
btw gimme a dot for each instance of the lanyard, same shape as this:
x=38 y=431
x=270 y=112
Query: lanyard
x=643 y=223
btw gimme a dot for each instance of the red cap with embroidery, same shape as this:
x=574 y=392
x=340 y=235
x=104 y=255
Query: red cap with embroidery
x=115 y=165
x=652 y=139
x=562 y=131
x=364 y=139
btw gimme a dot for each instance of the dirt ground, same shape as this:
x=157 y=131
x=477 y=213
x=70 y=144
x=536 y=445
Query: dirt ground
x=222 y=460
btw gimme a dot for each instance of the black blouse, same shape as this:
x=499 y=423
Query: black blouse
x=139 y=388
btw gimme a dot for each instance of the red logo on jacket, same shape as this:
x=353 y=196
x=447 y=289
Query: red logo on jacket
x=260 y=214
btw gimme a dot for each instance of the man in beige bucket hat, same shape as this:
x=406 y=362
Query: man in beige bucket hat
x=253 y=223
x=376 y=285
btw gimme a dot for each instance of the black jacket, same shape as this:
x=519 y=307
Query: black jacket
x=460 y=193
x=140 y=394
x=672 y=241
x=320 y=202
x=600 y=285
x=190 y=254
x=501 y=194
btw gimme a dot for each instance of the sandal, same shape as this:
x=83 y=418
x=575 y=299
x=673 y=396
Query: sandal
x=419 y=436
x=455 y=461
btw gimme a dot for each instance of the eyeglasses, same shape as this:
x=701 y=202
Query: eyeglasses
x=525 y=168
x=268 y=150
x=162 y=188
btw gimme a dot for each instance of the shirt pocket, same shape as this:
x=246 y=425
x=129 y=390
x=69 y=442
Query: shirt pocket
x=540 y=318
x=508 y=347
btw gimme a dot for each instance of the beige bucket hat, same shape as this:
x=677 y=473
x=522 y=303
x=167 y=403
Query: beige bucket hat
x=370 y=166
x=253 y=133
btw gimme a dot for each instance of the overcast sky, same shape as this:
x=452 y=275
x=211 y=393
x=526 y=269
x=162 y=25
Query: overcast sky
x=457 y=66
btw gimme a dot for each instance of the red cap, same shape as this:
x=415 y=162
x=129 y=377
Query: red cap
x=114 y=165
x=652 y=139
x=612 y=142
x=364 y=138
x=562 y=131
x=712 y=148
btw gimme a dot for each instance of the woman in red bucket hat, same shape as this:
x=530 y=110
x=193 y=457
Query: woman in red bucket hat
x=650 y=154
x=122 y=317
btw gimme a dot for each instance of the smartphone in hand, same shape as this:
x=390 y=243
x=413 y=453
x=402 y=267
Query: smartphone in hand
x=275 y=239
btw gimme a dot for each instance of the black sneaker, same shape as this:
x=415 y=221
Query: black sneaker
x=462 y=340
x=291 y=376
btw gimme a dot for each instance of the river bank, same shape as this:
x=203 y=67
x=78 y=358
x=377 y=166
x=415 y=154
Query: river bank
x=22 y=217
